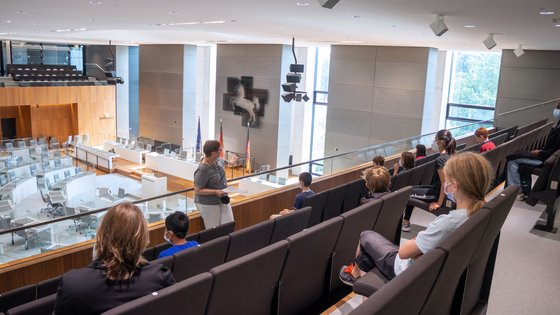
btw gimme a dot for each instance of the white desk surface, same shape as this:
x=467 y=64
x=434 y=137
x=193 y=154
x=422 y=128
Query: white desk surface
x=168 y=165
x=80 y=186
x=133 y=155
x=250 y=186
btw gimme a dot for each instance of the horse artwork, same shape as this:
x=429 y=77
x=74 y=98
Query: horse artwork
x=242 y=99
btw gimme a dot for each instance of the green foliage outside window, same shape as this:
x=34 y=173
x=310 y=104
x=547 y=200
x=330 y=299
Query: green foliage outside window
x=475 y=78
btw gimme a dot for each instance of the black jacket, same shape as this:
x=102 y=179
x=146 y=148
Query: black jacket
x=552 y=144
x=87 y=290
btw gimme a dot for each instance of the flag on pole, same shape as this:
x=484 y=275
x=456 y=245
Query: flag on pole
x=221 y=140
x=248 y=152
x=198 y=139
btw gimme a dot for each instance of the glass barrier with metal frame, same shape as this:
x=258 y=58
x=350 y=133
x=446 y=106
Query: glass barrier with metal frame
x=24 y=233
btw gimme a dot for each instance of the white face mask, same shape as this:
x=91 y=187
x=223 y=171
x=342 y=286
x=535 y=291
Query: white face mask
x=556 y=113
x=435 y=146
x=167 y=239
x=448 y=194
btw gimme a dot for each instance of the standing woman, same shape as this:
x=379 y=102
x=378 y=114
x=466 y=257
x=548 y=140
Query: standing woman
x=209 y=184
x=118 y=273
x=445 y=144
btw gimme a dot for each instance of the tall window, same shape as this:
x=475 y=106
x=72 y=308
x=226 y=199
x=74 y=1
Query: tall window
x=319 y=113
x=473 y=88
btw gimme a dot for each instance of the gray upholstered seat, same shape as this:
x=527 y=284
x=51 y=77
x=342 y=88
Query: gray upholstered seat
x=196 y=260
x=254 y=277
x=215 y=232
x=172 y=299
x=249 y=239
x=355 y=221
x=310 y=252
x=287 y=225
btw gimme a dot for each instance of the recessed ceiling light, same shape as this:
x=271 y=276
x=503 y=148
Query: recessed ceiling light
x=470 y=26
x=36 y=24
x=214 y=22
x=556 y=22
x=62 y=30
x=543 y=11
x=183 y=23
x=95 y=2
x=302 y=4
x=173 y=12
x=5 y=33
x=8 y=21
x=355 y=16
x=21 y=12
x=80 y=29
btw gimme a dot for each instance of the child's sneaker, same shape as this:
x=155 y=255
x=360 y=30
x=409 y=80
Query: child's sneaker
x=405 y=226
x=345 y=274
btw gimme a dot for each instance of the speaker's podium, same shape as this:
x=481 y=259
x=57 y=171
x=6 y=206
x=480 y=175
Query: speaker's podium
x=153 y=186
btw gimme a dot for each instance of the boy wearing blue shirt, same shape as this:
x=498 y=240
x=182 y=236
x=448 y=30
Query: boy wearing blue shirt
x=305 y=179
x=176 y=228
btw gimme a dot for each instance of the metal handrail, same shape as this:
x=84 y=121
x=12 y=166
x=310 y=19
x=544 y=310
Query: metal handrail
x=529 y=107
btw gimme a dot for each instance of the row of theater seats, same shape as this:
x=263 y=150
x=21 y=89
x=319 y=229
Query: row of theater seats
x=298 y=270
x=532 y=136
x=455 y=278
x=343 y=197
x=45 y=73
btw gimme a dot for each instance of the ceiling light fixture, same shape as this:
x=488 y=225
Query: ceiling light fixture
x=8 y=21
x=518 y=51
x=183 y=23
x=62 y=30
x=489 y=42
x=95 y=2
x=556 y=22
x=438 y=26
x=213 y=22
x=470 y=26
x=21 y=12
x=302 y=4
x=173 y=12
x=543 y=11
x=328 y=4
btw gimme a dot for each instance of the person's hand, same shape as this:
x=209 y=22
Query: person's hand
x=220 y=193
x=395 y=168
x=433 y=206
x=535 y=152
x=284 y=212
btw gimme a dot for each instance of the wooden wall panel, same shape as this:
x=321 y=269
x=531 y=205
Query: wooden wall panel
x=93 y=107
x=53 y=120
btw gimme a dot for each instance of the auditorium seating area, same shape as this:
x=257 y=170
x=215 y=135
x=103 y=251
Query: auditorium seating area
x=270 y=257
x=45 y=73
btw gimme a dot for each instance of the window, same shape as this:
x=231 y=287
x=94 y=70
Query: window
x=473 y=87
x=319 y=112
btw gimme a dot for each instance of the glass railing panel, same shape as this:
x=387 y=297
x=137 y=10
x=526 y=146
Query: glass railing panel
x=88 y=212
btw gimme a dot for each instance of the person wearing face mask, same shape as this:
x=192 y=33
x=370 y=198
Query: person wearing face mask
x=532 y=159
x=467 y=180
x=176 y=228
x=445 y=144
x=406 y=162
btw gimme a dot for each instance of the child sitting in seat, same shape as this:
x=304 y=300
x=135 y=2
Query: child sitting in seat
x=304 y=183
x=377 y=182
x=176 y=228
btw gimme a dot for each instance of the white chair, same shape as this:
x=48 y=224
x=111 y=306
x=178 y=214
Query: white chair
x=85 y=139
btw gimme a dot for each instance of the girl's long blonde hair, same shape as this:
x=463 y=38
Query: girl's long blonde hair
x=473 y=174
